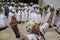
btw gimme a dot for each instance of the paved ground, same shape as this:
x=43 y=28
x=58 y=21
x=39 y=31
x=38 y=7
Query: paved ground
x=9 y=35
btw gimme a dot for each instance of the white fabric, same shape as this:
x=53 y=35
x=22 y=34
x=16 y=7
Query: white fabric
x=31 y=37
x=10 y=16
x=44 y=28
x=23 y=16
x=45 y=16
x=12 y=8
x=3 y=21
x=18 y=16
x=26 y=15
x=58 y=25
x=35 y=17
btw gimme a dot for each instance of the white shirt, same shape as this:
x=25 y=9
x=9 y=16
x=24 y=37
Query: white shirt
x=33 y=37
x=43 y=29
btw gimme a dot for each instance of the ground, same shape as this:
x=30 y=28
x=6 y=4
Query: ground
x=8 y=33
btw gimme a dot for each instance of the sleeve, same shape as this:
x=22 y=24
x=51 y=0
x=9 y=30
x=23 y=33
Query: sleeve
x=44 y=28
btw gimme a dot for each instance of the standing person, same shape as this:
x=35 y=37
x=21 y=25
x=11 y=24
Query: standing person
x=56 y=17
x=11 y=13
x=57 y=22
x=46 y=14
x=3 y=20
x=6 y=7
x=14 y=27
x=18 y=15
x=58 y=26
x=37 y=32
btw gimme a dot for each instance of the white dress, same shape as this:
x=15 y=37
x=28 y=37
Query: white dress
x=10 y=16
x=18 y=16
x=3 y=21
x=23 y=16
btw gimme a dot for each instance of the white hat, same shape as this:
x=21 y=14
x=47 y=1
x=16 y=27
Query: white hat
x=51 y=5
x=35 y=5
x=21 y=4
x=31 y=3
x=25 y=4
x=12 y=3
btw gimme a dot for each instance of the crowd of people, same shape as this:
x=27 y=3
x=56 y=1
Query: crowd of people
x=39 y=19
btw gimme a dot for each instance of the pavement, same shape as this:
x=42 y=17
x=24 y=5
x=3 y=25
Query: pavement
x=8 y=33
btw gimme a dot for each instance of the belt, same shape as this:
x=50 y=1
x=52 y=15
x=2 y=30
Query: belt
x=1 y=29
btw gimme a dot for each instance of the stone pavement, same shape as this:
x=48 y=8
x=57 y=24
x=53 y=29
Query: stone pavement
x=8 y=34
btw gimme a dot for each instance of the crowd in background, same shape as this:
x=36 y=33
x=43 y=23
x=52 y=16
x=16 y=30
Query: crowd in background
x=38 y=18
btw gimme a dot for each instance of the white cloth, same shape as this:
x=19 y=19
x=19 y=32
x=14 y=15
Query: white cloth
x=45 y=16
x=10 y=16
x=18 y=16
x=23 y=16
x=35 y=17
x=31 y=37
x=58 y=26
x=44 y=28
x=26 y=15
x=3 y=21
x=12 y=8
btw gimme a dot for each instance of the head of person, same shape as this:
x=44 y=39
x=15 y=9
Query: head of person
x=1 y=8
x=57 y=13
x=31 y=4
x=36 y=29
x=13 y=18
x=12 y=4
x=46 y=8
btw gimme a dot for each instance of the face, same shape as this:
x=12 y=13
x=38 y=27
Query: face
x=36 y=29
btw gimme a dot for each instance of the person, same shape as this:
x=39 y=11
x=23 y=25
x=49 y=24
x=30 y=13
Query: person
x=11 y=13
x=57 y=22
x=56 y=17
x=37 y=32
x=46 y=14
x=35 y=16
x=3 y=20
x=58 y=26
x=6 y=7
x=18 y=15
x=14 y=27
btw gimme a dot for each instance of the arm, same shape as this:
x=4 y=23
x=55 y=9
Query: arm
x=45 y=26
x=50 y=18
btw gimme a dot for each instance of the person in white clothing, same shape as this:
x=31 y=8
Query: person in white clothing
x=3 y=20
x=37 y=32
x=11 y=13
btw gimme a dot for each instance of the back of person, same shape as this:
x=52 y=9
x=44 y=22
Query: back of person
x=6 y=10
